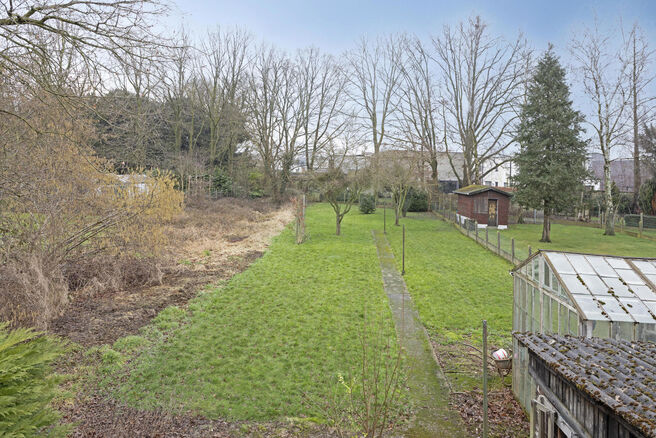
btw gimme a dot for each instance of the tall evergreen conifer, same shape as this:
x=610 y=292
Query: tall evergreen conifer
x=551 y=161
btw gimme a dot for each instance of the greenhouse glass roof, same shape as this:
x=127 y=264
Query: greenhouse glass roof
x=611 y=288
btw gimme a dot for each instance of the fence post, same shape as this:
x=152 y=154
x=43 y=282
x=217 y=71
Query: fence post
x=641 y=225
x=484 y=378
x=512 y=249
x=529 y=250
x=487 y=240
x=476 y=225
x=498 y=242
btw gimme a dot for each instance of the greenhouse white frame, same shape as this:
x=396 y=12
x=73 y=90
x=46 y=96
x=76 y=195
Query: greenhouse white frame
x=590 y=295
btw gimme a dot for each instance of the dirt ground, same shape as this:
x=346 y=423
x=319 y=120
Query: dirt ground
x=210 y=242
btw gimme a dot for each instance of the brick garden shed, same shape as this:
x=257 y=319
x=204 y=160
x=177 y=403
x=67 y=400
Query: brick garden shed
x=489 y=206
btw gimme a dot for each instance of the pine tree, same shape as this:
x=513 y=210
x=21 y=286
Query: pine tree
x=551 y=161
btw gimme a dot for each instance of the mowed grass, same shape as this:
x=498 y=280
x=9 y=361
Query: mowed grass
x=281 y=330
x=454 y=282
x=578 y=239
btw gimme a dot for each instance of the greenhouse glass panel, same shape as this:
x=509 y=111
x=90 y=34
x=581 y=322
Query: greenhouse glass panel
x=614 y=310
x=595 y=285
x=636 y=309
x=644 y=293
x=580 y=264
x=620 y=289
x=651 y=278
x=563 y=317
x=537 y=311
x=646 y=332
x=651 y=305
x=645 y=267
x=536 y=269
x=590 y=308
x=573 y=323
x=554 y=316
x=622 y=330
x=600 y=329
x=546 y=314
x=629 y=276
x=617 y=263
x=561 y=264
x=546 y=275
x=601 y=266
x=574 y=285
x=522 y=295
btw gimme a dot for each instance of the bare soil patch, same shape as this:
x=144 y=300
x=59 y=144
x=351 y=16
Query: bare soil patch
x=203 y=249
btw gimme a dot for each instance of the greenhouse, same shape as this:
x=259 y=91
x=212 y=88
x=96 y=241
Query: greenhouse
x=581 y=295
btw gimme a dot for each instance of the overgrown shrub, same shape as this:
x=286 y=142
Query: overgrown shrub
x=27 y=385
x=222 y=183
x=255 y=184
x=367 y=204
x=61 y=205
x=646 y=197
x=416 y=200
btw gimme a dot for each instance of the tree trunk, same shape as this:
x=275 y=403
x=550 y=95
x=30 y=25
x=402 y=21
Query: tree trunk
x=396 y=215
x=610 y=211
x=546 y=228
x=338 y=222
x=636 y=143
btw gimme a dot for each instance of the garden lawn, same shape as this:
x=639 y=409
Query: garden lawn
x=577 y=239
x=283 y=329
x=454 y=282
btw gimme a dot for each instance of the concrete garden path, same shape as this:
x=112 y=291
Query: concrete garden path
x=426 y=381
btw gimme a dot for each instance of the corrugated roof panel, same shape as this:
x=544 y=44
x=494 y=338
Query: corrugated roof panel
x=580 y=264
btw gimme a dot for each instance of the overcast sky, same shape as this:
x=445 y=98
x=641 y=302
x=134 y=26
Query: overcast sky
x=334 y=25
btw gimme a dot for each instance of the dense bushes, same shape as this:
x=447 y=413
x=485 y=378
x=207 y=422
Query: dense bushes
x=367 y=204
x=416 y=200
x=27 y=385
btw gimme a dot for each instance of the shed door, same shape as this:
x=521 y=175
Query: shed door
x=492 y=212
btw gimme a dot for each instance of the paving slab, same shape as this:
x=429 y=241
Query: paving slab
x=428 y=386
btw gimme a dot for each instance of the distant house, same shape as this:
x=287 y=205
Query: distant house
x=590 y=387
x=488 y=206
x=621 y=173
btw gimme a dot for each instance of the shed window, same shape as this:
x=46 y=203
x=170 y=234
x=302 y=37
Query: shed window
x=480 y=205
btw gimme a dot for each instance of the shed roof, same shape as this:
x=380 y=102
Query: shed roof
x=475 y=189
x=606 y=288
x=620 y=375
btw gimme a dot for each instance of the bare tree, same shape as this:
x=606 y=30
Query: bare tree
x=97 y=31
x=606 y=82
x=639 y=58
x=275 y=119
x=482 y=84
x=322 y=84
x=373 y=74
x=399 y=170
x=419 y=112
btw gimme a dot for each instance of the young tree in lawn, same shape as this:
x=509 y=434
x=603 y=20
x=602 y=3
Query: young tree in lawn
x=398 y=170
x=552 y=157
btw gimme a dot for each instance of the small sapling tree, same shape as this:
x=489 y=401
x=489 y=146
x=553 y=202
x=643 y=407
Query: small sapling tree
x=341 y=191
x=552 y=157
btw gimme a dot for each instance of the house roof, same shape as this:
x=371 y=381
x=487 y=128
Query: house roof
x=606 y=288
x=475 y=189
x=619 y=375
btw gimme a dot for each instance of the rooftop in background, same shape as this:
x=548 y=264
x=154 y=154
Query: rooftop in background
x=621 y=172
x=619 y=375
x=476 y=188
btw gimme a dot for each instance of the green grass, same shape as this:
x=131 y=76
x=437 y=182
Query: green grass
x=577 y=239
x=454 y=282
x=251 y=349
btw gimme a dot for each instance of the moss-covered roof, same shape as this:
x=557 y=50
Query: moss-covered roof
x=620 y=375
x=477 y=188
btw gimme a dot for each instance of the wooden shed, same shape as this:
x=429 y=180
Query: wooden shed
x=489 y=206
x=591 y=387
